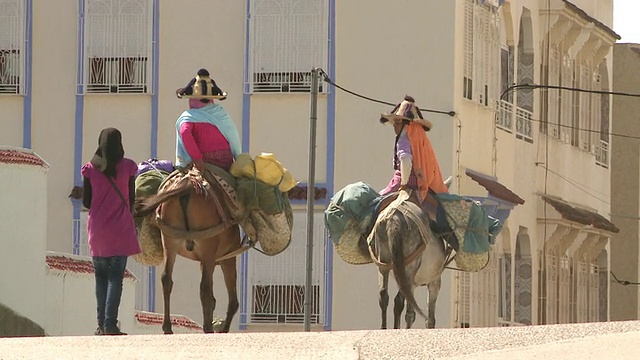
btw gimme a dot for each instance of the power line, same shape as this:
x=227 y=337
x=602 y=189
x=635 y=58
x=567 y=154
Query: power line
x=328 y=79
x=537 y=86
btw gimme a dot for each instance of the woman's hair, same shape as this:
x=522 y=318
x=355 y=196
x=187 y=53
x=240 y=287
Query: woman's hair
x=110 y=151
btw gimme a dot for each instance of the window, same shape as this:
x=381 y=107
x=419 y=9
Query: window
x=287 y=39
x=277 y=283
x=12 y=30
x=482 y=57
x=118 y=42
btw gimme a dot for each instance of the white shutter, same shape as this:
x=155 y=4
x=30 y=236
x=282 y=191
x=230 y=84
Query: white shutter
x=12 y=41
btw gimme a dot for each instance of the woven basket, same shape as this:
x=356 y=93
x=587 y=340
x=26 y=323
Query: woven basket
x=273 y=232
x=150 y=242
x=351 y=247
x=458 y=214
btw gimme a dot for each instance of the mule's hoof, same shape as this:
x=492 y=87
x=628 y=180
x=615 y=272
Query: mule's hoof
x=168 y=332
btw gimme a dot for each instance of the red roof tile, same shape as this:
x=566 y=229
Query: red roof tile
x=495 y=188
x=63 y=263
x=582 y=216
x=21 y=157
x=157 y=319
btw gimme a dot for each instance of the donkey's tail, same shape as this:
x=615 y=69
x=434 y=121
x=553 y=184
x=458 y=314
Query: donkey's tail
x=150 y=204
x=399 y=267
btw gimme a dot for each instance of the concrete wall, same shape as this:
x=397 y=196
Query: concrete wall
x=23 y=199
x=71 y=304
x=625 y=184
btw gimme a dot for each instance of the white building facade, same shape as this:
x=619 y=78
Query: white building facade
x=71 y=68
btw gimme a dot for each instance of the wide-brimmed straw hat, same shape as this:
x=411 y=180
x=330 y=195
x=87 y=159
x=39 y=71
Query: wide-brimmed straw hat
x=201 y=87
x=406 y=111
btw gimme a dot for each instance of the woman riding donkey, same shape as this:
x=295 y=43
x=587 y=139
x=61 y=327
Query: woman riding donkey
x=205 y=132
x=415 y=164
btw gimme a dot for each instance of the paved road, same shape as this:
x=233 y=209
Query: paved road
x=616 y=340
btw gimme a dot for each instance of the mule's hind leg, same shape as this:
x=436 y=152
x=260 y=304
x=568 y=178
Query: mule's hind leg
x=230 y=280
x=398 y=307
x=434 y=289
x=167 y=286
x=206 y=296
x=383 y=298
x=410 y=316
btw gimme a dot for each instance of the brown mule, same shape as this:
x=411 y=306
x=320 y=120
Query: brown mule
x=192 y=226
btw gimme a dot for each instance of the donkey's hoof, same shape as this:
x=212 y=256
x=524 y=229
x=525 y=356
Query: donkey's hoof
x=167 y=331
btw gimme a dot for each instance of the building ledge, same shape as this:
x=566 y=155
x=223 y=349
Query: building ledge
x=494 y=188
x=581 y=216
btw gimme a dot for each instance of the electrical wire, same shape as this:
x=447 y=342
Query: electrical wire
x=328 y=79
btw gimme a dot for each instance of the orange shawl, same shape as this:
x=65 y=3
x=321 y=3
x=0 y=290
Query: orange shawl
x=425 y=164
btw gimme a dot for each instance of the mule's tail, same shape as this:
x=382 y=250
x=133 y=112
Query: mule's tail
x=150 y=204
x=399 y=267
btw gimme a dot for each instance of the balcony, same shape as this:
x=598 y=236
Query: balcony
x=602 y=154
x=524 y=129
x=504 y=120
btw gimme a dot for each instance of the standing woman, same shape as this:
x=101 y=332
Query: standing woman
x=109 y=194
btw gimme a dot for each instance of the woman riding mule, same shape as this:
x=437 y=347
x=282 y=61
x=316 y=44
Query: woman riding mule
x=402 y=239
x=193 y=222
x=414 y=162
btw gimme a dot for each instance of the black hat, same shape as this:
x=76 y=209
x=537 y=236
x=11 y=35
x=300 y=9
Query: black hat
x=201 y=87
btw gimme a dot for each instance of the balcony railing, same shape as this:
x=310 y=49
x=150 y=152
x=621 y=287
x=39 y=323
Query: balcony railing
x=524 y=127
x=505 y=115
x=602 y=154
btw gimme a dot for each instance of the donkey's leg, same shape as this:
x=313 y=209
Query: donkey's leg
x=410 y=316
x=398 y=307
x=206 y=296
x=383 y=298
x=167 y=285
x=230 y=281
x=434 y=289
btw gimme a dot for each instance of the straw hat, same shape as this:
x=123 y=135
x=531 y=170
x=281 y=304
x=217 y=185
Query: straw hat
x=406 y=111
x=201 y=87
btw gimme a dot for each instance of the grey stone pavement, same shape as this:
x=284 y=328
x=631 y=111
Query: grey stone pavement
x=614 y=340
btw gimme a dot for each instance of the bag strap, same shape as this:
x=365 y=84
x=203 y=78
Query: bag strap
x=118 y=191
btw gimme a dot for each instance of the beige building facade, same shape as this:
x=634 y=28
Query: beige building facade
x=625 y=184
x=77 y=66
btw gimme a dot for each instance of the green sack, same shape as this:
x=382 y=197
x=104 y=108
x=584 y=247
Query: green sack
x=352 y=204
x=257 y=195
x=147 y=183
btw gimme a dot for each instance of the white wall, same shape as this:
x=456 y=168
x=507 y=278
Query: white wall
x=71 y=304
x=23 y=206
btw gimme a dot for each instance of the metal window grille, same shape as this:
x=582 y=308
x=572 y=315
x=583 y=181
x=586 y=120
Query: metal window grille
x=594 y=293
x=596 y=114
x=566 y=99
x=564 y=290
x=580 y=288
x=287 y=38
x=12 y=41
x=277 y=283
x=486 y=54
x=468 y=50
x=552 y=288
x=118 y=43
x=553 y=95
x=464 y=300
x=584 y=122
